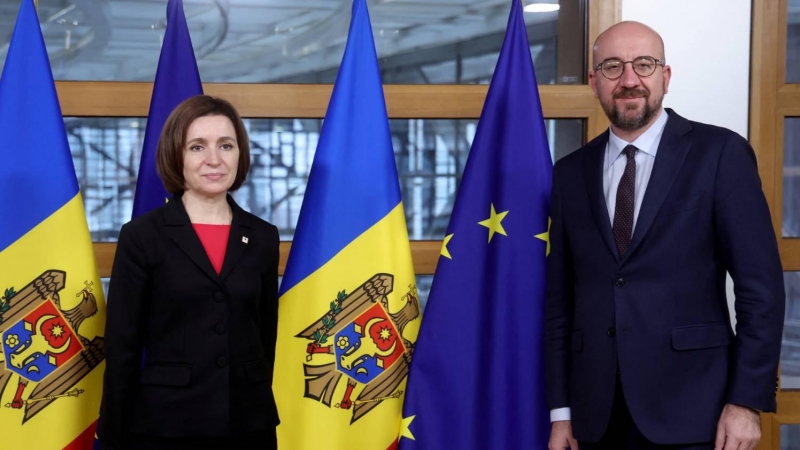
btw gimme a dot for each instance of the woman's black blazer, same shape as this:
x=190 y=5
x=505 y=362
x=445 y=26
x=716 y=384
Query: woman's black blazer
x=190 y=352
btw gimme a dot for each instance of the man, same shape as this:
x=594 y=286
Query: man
x=646 y=220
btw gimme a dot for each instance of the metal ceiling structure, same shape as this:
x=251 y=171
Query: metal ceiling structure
x=272 y=40
x=298 y=41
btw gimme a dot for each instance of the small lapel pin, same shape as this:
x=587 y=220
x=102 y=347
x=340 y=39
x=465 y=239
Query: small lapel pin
x=244 y=239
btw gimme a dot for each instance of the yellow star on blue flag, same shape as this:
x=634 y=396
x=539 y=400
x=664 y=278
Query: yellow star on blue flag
x=445 y=252
x=546 y=236
x=494 y=223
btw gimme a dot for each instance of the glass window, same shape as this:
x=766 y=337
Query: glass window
x=105 y=282
x=791 y=177
x=793 y=43
x=790 y=436
x=106 y=154
x=430 y=155
x=455 y=41
x=790 y=350
x=424 y=283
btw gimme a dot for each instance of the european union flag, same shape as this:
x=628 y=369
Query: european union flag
x=477 y=376
x=177 y=79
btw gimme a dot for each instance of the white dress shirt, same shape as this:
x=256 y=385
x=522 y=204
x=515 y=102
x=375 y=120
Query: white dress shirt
x=613 y=166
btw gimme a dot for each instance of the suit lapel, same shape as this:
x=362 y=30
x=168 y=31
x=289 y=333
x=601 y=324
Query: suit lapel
x=672 y=151
x=179 y=228
x=593 y=166
x=238 y=240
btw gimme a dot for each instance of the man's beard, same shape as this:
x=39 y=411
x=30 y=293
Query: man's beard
x=630 y=123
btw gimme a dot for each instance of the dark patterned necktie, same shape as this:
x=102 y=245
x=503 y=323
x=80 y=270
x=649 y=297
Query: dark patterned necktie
x=623 y=212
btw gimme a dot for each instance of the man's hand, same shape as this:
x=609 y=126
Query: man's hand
x=739 y=428
x=561 y=436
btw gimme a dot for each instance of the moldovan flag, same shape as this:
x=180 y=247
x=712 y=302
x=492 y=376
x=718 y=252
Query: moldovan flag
x=349 y=313
x=52 y=311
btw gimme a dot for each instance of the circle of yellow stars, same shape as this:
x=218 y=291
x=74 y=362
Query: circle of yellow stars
x=495 y=225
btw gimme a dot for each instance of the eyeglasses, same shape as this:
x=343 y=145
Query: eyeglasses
x=644 y=66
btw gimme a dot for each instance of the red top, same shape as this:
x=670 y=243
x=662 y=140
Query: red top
x=215 y=240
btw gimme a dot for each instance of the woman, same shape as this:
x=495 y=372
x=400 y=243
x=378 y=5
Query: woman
x=192 y=304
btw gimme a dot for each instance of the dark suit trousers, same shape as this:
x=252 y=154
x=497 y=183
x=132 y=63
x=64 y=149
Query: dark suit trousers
x=622 y=433
x=263 y=441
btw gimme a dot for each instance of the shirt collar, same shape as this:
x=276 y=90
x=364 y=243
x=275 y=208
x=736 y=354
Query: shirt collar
x=646 y=143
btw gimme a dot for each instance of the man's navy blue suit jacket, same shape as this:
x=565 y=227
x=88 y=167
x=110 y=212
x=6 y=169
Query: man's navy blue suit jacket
x=659 y=314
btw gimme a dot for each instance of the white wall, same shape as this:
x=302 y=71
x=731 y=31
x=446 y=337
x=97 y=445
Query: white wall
x=707 y=44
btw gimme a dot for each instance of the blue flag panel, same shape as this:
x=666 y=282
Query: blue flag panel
x=177 y=79
x=477 y=377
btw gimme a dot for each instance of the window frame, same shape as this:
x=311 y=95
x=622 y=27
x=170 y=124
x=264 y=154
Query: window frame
x=772 y=100
x=132 y=99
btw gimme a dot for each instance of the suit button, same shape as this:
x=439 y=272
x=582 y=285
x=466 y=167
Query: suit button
x=611 y=332
x=619 y=282
x=219 y=297
x=220 y=328
x=222 y=361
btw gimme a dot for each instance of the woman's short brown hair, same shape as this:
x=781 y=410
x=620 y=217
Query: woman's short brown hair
x=169 y=153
